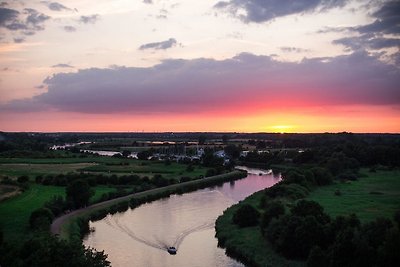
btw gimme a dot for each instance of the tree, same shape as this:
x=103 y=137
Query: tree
x=126 y=153
x=202 y=139
x=246 y=215
x=305 y=208
x=144 y=155
x=273 y=209
x=225 y=138
x=317 y=258
x=232 y=151
x=46 y=251
x=79 y=193
x=41 y=218
x=23 y=179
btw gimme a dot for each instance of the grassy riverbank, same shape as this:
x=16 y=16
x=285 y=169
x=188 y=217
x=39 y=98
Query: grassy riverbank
x=247 y=244
x=371 y=196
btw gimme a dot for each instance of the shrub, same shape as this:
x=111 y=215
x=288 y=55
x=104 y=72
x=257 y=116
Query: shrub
x=246 y=215
x=41 y=218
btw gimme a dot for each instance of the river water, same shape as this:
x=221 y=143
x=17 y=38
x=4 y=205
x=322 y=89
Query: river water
x=140 y=237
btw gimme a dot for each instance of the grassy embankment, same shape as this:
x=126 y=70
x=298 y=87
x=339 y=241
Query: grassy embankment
x=374 y=195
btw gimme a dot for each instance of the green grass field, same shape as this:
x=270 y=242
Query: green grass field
x=15 y=212
x=375 y=195
x=148 y=168
x=18 y=169
x=106 y=165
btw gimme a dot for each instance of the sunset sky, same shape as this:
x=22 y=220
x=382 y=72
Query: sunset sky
x=209 y=65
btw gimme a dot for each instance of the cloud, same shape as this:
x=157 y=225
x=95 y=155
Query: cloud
x=92 y=19
x=171 y=42
x=19 y=40
x=375 y=35
x=54 y=6
x=62 y=65
x=8 y=16
x=30 y=20
x=288 y=49
x=148 y=1
x=387 y=20
x=245 y=81
x=364 y=41
x=265 y=10
x=69 y=28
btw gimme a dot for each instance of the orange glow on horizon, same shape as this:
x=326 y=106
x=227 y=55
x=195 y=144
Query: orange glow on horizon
x=357 y=119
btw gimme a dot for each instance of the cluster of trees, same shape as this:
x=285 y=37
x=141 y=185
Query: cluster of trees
x=307 y=233
x=100 y=179
x=44 y=250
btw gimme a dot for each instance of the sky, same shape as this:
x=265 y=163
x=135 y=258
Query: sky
x=210 y=65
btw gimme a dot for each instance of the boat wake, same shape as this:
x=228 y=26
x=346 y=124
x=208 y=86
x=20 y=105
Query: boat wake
x=159 y=244
x=191 y=230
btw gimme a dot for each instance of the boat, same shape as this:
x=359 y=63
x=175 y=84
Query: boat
x=172 y=250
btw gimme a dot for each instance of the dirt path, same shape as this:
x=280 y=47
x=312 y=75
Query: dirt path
x=57 y=224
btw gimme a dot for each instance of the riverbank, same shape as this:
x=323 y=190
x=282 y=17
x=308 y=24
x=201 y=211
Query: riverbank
x=247 y=244
x=373 y=195
x=71 y=225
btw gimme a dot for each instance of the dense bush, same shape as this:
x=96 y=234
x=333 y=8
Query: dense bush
x=273 y=209
x=41 y=219
x=246 y=215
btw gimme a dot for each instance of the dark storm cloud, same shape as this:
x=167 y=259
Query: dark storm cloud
x=265 y=10
x=171 y=42
x=62 y=65
x=54 y=6
x=177 y=86
x=89 y=19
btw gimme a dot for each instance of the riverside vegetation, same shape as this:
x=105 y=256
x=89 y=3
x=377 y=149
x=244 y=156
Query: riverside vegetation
x=337 y=205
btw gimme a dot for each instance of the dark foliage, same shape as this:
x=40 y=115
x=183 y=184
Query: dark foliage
x=246 y=215
x=78 y=193
x=41 y=219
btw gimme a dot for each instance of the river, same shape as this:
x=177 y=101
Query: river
x=140 y=237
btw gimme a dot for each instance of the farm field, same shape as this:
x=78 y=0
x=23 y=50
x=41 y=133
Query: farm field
x=374 y=195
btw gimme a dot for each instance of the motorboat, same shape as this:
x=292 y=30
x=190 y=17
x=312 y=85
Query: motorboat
x=171 y=250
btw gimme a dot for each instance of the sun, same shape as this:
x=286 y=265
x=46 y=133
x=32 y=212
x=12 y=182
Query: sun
x=282 y=128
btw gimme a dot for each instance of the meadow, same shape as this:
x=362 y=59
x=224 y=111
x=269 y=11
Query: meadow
x=375 y=194
x=15 y=211
x=14 y=167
